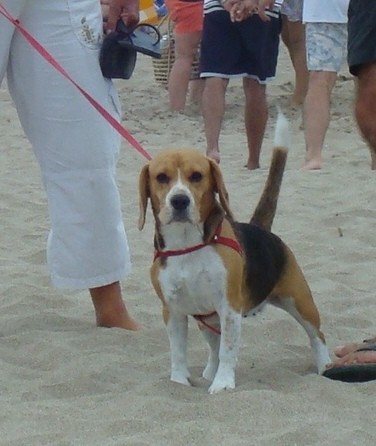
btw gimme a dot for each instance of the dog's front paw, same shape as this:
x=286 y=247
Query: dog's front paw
x=221 y=384
x=180 y=378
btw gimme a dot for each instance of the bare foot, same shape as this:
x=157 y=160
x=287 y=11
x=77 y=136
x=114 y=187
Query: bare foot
x=252 y=165
x=356 y=357
x=314 y=164
x=214 y=155
x=110 y=310
x=119 y=320
x=352 y=354
x=344 y=350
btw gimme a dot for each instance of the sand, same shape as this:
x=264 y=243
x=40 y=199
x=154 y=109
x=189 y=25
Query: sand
x=65 y=382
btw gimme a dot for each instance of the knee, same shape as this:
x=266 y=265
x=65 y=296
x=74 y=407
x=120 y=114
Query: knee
x=253 y=89
x=321 y=82
x=215 y=85
x=186 y=47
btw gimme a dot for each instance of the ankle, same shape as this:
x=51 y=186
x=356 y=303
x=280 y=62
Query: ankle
x=110 y=310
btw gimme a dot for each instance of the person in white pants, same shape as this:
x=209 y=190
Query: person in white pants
x=76 y=148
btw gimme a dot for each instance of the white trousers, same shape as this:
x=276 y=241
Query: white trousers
x=76 y=148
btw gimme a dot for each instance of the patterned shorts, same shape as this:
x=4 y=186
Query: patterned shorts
x=293 y=9
x=326 y=46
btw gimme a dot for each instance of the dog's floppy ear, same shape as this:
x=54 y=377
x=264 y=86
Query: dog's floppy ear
x=144 y=194
x=220 y=188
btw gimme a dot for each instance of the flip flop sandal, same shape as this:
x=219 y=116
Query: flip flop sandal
x=118 y=53
x=353 y=373
x=144 y=38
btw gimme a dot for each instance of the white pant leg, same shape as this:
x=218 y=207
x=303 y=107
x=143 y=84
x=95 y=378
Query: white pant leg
x=14 y=7
x=75 y=147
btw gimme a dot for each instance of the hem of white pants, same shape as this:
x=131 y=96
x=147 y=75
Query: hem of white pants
x=94 y=282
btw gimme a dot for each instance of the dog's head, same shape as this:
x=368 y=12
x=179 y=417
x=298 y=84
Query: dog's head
x=182 y=187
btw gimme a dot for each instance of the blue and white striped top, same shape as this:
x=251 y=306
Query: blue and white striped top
x=215 y=5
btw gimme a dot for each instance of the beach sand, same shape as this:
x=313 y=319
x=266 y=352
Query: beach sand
x=65 y=382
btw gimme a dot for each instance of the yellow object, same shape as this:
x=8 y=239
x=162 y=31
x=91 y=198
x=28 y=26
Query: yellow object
x=148 y=14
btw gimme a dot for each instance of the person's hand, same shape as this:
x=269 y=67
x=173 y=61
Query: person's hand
x=126 y=10
x=105 y=5
x=242 y=9
x=262 y=5
x=236 y=9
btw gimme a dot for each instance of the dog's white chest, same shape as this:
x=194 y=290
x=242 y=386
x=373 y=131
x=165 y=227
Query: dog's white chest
x=194 y=283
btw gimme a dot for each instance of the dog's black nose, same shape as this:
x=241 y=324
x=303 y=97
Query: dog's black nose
x=180 y=202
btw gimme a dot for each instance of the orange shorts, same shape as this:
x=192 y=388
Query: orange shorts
x=187 y=16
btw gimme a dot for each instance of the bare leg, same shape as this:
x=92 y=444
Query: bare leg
x=196 y=89
x=213 y=109
x=256 y=117
x=316 y=115
x=365 y=107
x=293 y=36
x=186 y=45
x=110 y=309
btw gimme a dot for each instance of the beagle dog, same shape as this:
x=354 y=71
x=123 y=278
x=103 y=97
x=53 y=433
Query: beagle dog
x=209 y=266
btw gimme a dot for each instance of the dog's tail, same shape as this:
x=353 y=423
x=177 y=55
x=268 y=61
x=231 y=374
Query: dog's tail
x=264 y=213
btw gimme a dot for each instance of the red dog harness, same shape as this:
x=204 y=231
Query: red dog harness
x=217 y=238
x=201 y=318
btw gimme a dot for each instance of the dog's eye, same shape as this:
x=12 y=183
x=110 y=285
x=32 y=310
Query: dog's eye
x=196 y=177
x=162 y=178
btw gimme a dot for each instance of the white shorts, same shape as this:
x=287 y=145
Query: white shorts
x=76 y=148
x=326 y=46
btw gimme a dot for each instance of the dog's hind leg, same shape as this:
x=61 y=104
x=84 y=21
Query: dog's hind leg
x=293 y=295
x=319 y=348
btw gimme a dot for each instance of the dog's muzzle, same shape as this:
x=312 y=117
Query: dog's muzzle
x=180 y=204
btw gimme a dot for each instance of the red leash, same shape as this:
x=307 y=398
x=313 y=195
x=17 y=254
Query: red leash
x=52 y=61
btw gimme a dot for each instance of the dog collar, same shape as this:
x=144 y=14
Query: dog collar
x=217 y=238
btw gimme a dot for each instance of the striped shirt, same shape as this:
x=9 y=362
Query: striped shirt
x=215 y=5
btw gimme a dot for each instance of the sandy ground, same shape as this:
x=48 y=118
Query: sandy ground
x=65 y=382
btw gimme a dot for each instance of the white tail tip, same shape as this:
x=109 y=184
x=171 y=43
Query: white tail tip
x=282 y=131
